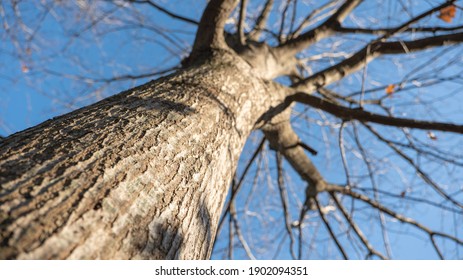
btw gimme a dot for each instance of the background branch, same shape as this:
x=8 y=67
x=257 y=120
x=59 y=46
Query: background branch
x=165 y=11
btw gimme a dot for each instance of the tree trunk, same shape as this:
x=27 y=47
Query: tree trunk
x=140 y=175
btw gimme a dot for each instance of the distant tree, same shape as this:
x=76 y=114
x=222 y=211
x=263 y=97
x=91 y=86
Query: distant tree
x=351 y=111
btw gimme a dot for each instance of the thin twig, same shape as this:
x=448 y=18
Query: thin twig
x=420 y=172
x=261 y=21
x=165 y=11
x=375 y=191
x=285 y=203
x=241 y=180
x=328 y=227
x=355 y=227
x=343 y=153
x=241 y=22
x=241 y=238
x=391 y=213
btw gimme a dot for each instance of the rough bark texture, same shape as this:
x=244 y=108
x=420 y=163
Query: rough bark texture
x=143 y=174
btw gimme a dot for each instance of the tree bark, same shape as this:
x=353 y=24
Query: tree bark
x=140 y=175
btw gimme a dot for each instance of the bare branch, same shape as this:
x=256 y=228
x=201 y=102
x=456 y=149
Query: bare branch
x=333 y=24
x=241 y=22
x=383 y=31
x=420 y=172
x=391 y=213
x=165 y=11
x=434 y=153
x=285 y=203
x=282 y=137
x=293 y=17
x=297 y=44
x=236 y=187
x=241 y=238
x=334 y=97
x=231 y=235
x=406 y=25
x=368 y=163
x=210 y=34
x=308 y=148
x=283 y=20
x=368 y=53
x=355 y=227
x=343 y=153
x=277 y=135
x=261 y=21
x=365 y=116
x=344 y=10
x=436 y=248
x=330 y=230
x=413 y=199
x=307 y=19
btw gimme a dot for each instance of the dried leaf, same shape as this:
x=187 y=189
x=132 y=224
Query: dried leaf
x=390 y=89
x=432 y=136
x=447 y=14
x=24 y=68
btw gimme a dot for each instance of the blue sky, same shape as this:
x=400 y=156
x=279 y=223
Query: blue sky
x=53 y=61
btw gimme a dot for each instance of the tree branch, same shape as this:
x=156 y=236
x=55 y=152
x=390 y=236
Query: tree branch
x=241 y=238
x=285 y=203
x=307 y=19
x=333 y=24
x=327 y=28
x=261 y=21
x=365 y=116
x=241 y=22
x=374 y=185
x=372 y=50
x=418 y=170
x=280 y=135
x=412 y=199
x=368 y=53
x=389 y=212
x=382 y=31
x=283 y=20
x=343 y=11
x=355 y=227
x=236 y=187
x=405 y=25
x=282 y=138
x=165 y=11
x=330 y=230
x=210 y=34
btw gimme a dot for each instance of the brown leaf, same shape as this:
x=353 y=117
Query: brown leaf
x=390 y=89
x=24 y=68
x=448 y=13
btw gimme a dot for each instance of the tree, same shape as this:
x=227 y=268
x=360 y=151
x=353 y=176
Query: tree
x=146 y=173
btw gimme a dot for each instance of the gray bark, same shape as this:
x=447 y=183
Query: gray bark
x=140 y=175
